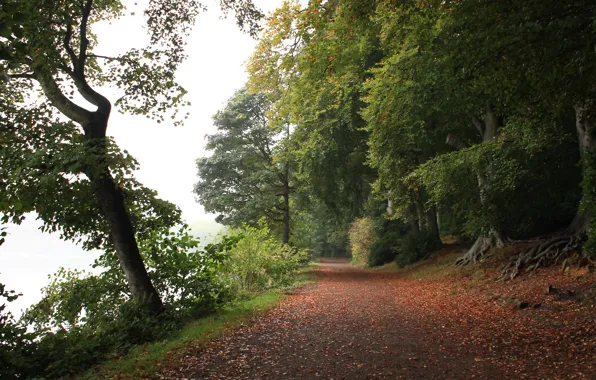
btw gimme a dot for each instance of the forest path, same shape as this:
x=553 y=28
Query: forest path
x=356 y=324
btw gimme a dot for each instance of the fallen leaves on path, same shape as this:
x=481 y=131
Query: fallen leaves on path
x=356 y=324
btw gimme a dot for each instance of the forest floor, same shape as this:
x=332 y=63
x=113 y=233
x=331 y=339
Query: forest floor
x=431 y=321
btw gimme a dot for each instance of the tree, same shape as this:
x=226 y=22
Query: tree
x=538 y=57
x=405 y=113
x=47 y=55
x=244 y=178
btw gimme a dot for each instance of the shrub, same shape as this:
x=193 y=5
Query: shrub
x=186 y=277
x=16 y=346
x=84 y=317
x=383 y=250
x=415 y=246
x=362 y=238
x=259 y=261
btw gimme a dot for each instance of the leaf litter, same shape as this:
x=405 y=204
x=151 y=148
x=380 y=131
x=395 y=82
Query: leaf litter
x=358 y=324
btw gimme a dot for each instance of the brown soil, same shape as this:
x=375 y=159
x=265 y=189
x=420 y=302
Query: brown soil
x=357 y=324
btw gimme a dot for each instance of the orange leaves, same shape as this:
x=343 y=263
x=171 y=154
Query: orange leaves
x=357 y=324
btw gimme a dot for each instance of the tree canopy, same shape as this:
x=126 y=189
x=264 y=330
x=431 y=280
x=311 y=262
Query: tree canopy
x=245 y=179
x=56 y=158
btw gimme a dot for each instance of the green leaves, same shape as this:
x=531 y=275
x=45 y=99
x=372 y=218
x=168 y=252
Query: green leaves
x=243 y=180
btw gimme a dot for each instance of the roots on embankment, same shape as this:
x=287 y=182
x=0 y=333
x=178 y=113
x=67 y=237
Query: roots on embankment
x=543 y=252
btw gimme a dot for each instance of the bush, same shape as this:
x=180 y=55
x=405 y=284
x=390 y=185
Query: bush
x=259 y=261
x=187 y=278
x=415 y=246
x=84 y=318
x=16 y=346
x=383 y=250
x=362 y=238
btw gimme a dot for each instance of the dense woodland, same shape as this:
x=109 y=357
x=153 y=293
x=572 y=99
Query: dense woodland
x=397 y=122
x=367 y=129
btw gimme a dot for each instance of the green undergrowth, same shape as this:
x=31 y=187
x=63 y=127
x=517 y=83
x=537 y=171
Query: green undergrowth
x=145 y=361
x=439 y=265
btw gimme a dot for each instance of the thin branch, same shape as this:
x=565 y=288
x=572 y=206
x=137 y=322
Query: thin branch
x=120 y=59
x=86 y=9
x=22 y=76
x=68 y=48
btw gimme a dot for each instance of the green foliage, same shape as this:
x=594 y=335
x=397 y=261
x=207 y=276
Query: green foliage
x=311 y=63
x=84 y=317
x=144 y=361
x=383 y=250
x=259 y=261
x=414 y=246
x=589 y=200
x=244 y=179
x=362 y=237
x=317 y=228
x=16 y=347
x=188 y=278
x=538 y=201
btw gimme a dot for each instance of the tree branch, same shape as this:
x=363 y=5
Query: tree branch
x=61 y=102
x=68 y=48
x=120 y=59
x=86 y=9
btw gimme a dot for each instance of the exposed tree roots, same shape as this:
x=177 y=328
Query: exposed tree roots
x=545 y=252
x=481 y=248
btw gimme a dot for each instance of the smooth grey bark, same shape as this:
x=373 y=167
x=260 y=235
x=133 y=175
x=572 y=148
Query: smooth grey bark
x=559 y=247
x=420 y=214
x=488 y=128
x=432 y=227
x=585 y=123
x=413 y=218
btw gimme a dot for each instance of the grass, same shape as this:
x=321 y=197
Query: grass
x=144 y=361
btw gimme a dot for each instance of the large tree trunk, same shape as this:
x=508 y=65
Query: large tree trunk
x=562 y=246
x=286 y=220
x=420 y=216
x=432 y=227
x=122 y=233
x=112 y=205
x=585 y=122
x=483 y=244
x=95 y=124
x=494 y=238
x=413 y=218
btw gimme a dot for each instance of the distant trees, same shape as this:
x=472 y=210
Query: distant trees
x=246 y=177
x=459 y=109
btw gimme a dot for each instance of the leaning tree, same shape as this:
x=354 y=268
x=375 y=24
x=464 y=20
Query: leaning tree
x=55 y=155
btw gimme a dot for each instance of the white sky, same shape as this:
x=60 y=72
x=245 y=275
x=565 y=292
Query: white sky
x=214 y=70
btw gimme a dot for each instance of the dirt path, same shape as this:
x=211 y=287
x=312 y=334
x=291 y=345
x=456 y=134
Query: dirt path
x=355 y=324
